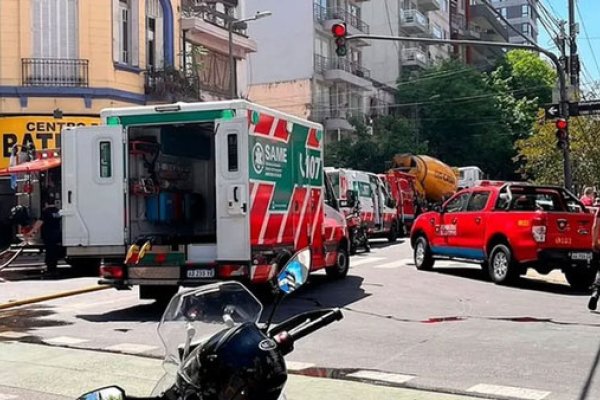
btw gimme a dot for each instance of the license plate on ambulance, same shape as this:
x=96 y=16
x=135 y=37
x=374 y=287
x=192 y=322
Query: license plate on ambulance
x=581 y=255
x=200 y=273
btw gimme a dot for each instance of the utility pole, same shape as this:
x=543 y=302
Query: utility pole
x=574 y=58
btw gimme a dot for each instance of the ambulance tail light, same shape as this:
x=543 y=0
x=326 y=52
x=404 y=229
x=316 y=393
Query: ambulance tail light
x=112 y=272
x=538 y=230
x=232 y=270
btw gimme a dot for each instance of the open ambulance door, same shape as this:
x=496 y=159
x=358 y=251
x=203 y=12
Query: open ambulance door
x=233 y=200
x=93 y=186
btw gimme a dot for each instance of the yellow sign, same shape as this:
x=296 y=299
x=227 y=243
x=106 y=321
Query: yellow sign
x=42 y=131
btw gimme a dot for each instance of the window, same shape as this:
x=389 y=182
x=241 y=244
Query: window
x=126 y=36
x=154 y=35
x=124 y=32
x=478 y=201
x=503 y=11
x=55 y=30
x=526 y=29
x=437 y=31
x=232 y=152
x=525 y=10
x=458 y=203
x=105 y=160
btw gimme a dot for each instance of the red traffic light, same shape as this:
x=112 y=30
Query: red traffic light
x=561 y=123
x=338 y=30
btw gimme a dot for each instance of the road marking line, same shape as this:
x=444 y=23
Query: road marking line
x=7 y=396
x=509 y=391
x=65 y=340
x=13 y=335
x=390 y=265
x=298 y=366
x=131 y=348
x=362 y=261
x=381 y=376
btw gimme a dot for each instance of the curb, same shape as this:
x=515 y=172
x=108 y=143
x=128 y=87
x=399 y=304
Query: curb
x=31 y=300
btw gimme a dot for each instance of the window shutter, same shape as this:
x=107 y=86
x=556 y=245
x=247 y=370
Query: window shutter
x=116 y=22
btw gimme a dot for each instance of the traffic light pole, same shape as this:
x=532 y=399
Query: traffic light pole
x=562 y=80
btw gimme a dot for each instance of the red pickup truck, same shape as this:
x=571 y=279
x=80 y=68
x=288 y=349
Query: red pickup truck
x=507 y=228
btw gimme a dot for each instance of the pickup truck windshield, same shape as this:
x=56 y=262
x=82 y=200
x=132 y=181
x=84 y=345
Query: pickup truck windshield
x=537 y=199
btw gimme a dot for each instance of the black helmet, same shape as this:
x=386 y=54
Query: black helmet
x=241 y=363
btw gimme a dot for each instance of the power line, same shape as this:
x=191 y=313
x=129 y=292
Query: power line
x=588 y=40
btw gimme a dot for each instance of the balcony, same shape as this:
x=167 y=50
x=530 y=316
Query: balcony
x=171 y=86
x=332 y=15
x=54 y=72
x=341 y=69
x=461 y=30
x=429 y=5
x=205 y=26
x=414 y=57
x=414 y=22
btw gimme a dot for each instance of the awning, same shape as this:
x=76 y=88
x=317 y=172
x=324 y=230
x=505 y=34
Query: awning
x=32 y=166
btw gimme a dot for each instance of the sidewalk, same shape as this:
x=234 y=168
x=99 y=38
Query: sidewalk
x=64 y=373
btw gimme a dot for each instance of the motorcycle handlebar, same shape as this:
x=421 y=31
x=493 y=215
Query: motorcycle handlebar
x=302 y=331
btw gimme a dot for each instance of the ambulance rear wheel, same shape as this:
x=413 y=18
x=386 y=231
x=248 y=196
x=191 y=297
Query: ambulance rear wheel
x=341 y=266
x=393 y=235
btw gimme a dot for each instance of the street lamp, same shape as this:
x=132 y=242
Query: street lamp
x=233 y=23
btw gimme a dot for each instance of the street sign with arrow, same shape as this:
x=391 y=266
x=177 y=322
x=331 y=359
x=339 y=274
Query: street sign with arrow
x=552 y=111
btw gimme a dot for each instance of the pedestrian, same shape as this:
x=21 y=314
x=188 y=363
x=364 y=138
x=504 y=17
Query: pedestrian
x=588 y=197
x=49 y=225
x=593 y=301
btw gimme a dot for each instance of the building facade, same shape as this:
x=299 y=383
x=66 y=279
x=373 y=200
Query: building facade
x=521 y=14
x=296 y=69
x=473 y=20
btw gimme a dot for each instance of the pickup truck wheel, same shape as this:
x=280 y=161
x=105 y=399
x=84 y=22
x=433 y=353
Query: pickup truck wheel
x=580 y=279
x=342 y=265
x=501 y=266
x=422 y=255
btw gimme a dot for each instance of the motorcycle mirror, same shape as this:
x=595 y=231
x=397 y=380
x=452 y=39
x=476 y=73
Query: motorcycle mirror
x=295 y=272
x=107 y=393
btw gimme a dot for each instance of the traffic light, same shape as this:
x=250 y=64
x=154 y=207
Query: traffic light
x=339 y=33
x=561 y=133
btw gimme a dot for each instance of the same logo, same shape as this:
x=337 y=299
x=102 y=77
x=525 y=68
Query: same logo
x=258 y=158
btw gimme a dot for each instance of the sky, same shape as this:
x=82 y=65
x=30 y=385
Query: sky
x=588 y=28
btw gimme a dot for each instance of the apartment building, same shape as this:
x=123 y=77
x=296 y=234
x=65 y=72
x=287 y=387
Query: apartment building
x=521 y=14
x=296 y=69
x=470 y=19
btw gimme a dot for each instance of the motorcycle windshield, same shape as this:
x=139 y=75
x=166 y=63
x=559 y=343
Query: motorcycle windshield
x=193 y=316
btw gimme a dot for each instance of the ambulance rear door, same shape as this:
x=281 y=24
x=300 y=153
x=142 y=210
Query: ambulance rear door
x=93 y=186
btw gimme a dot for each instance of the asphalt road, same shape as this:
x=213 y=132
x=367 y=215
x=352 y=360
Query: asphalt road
x=449 y=329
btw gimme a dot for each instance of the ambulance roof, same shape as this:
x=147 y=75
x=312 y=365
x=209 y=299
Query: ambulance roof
x=181 y=107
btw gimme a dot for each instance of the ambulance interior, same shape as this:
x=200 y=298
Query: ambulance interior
x=172 y=182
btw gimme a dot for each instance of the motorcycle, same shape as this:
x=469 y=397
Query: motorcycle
x=357 y=230
x=216 y=349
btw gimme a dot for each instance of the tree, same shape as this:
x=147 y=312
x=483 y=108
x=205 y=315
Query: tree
x=370 y=152
x=464 y=115
x=528 y=75
x=544 y=162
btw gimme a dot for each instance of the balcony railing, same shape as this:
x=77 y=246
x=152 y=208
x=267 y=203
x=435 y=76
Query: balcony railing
x=54 y=72
x=323 y=64
x=172 y=85
x=414 y=56
x=323 y=14
x=208 y=12
x=413 y=17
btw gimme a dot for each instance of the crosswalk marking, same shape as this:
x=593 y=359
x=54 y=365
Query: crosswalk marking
x=355 y=262
x=298 y=366
x=131 y=348
x=7 y=396
x=509 y=391
x=390 y=265
x=381 y=376
x=65 y=340
x=13 y=335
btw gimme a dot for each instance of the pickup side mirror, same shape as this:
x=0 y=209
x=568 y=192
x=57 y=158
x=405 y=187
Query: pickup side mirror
x=391 y=203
